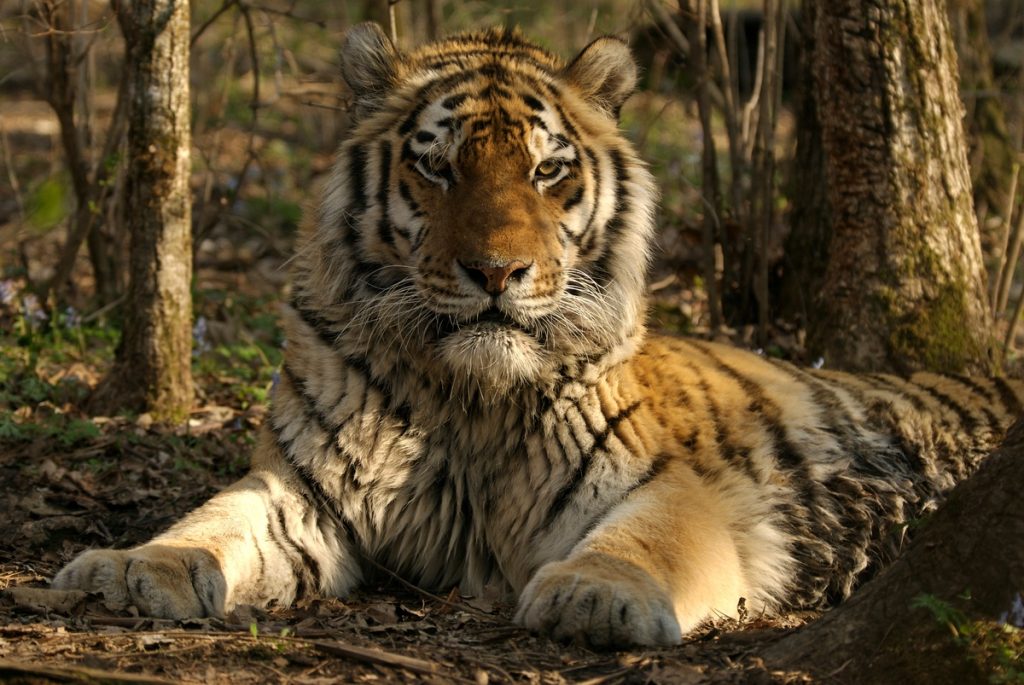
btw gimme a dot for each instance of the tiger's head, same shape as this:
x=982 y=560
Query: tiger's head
x=485 y=211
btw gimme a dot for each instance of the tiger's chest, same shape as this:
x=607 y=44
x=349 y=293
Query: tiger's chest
x=483 y=496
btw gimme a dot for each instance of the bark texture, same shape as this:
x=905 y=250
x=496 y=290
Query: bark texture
x=152 y=372
x=904 y=288
x=968 y=556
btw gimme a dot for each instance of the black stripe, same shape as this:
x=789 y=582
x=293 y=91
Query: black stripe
x=587 y=231
x=601 y=439
x=533 y=103
x=453 y=101
x=311 y=565
x=1009 y=398
x=406 y=193
x=325 y=502
x=425 y=137
x=761 y=404
x=414 y=115
x=737 y=455
x=908 y=393
x=653 y=471
x=573 y=199
x=384 y=224
x=357 y=177
x=988 y=399
x=320 y=326
x=967 y=420
x=566 y=492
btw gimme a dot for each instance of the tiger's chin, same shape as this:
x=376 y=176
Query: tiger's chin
x=494 y=359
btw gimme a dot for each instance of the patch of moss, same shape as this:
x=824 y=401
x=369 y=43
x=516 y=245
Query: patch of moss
x=937 y=337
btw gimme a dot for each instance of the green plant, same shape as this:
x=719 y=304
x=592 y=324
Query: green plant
x=997 y=648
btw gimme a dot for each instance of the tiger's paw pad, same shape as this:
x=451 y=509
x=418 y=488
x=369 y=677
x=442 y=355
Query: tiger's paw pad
x=609 y=604
x=161 y=581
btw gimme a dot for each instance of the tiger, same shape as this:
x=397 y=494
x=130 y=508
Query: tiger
x=469 y=396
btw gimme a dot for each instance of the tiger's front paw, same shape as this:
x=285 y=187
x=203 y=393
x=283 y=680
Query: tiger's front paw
x=160 y=580
x=599 y=600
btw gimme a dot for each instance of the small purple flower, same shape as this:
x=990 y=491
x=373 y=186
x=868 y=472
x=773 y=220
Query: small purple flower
x=72 y=319
x=33 y=310
x=199 y=331
x=8 y=291
x=1014 y=616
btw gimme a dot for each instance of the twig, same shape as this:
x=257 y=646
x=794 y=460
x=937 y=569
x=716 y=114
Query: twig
x=290 y=14
x=601 y=679
x=105 y=308
x=1011 y=326
x=379 y=656
x=774 y=33
x=12 y=177
x=206 y=24
x=333 y=108
x=392 y=22
x=1012 y=256
x=730 y=114
x=1001 y=273
x=710 y=192
x=92 y=187
x=251 y=152
x=19 y=669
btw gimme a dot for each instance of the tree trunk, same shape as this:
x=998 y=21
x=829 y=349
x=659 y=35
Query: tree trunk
x=904 y=287
x=152 y=371
x=936 y=614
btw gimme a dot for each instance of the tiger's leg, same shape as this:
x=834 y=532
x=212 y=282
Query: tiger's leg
x=659 y=563
x=260 y=540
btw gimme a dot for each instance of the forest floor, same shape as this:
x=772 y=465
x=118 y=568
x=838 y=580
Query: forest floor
x=69 y=481
x=120 y=488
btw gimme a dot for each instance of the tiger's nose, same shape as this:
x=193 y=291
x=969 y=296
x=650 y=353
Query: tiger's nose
x=494 y=278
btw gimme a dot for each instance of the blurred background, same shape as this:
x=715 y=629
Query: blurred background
x=268 y=112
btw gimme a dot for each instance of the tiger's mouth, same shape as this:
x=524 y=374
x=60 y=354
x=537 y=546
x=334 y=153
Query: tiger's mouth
x=491 y=318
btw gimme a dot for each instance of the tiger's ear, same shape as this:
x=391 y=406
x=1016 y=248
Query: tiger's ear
x=605 y=73
x=369 y=63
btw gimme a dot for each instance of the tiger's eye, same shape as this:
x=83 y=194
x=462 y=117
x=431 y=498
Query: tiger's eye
x=547 y=168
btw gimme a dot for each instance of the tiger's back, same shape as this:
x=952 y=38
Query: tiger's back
x=848 y=461
x=469 y=395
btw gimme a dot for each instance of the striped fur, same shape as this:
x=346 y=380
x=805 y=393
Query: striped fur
x=469 y=396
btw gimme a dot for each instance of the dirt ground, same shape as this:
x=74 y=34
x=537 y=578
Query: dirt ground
x=59 y=501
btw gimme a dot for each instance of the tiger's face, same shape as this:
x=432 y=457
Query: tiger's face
x=488 y=189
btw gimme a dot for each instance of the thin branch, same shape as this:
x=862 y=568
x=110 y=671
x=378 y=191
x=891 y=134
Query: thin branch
x=1012 y=256
x=392 y=21
x=710 y=191
x=98 y=190
x=1008 y=212
x=225 y=6
x=251 y=153
x=290 y=14
x=1011 y=327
